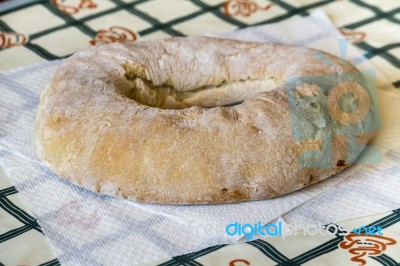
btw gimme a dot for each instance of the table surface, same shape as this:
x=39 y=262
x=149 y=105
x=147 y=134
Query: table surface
x=39 y=31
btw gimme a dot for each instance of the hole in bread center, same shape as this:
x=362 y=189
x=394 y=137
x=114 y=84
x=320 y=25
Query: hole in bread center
x=227 y=93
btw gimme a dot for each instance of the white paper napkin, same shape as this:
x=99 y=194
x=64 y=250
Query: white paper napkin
x=86 y=228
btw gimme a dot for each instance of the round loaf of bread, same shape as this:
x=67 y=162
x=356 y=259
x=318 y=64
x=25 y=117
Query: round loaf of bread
x=201 y=120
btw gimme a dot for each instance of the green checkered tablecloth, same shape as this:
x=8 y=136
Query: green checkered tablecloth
x=44 y=30
x=21 y=237
x=334 y=248
x=48 y=30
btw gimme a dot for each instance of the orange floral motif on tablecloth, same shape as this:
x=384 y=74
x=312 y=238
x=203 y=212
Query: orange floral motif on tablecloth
x=73 y=6
x=10 y=39
x=238 y=262
x=354 y=36
x=114 y=34
x=365 y=245
x=244 y=8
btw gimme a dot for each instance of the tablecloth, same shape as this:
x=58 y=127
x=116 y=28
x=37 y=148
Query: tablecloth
x=48 y=30
x=332 y=247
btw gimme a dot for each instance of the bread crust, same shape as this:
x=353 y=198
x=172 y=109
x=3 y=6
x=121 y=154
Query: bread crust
x=92 y=131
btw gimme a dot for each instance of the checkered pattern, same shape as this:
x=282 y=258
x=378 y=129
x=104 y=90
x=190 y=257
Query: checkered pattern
x=28 y=221
x=273 y=251
x=54 y=29
x=48 y=30
x=18 y=229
